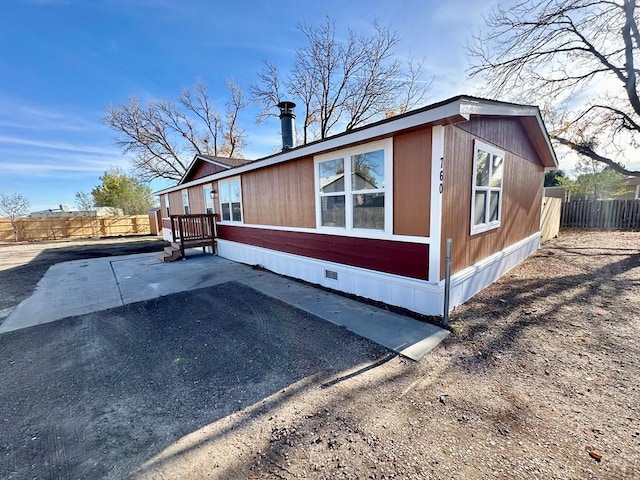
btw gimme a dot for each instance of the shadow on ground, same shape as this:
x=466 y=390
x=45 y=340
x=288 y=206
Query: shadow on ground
x=96 y=396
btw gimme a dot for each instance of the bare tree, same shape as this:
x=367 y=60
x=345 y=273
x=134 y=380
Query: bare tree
x=85 y=201
x=14 y=206
x=163 y=135
x=342 y=83
x=580 y=54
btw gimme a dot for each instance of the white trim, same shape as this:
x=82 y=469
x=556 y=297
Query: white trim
x=466 y=283
x=435 y=215
x=488 y=224
x=386 y=146
x=339 y=232
x=386 y=128
x=237 y=178
x=417 y=295
x=453 y=110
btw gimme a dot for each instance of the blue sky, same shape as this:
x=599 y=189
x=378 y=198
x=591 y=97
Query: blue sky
x=63 y=62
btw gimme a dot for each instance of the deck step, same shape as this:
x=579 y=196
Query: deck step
x=170 y=254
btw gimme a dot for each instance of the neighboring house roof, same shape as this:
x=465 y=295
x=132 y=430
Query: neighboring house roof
x=453 y=110
x=223 y=163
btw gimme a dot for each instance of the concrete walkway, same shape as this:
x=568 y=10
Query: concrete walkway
x=85 y=286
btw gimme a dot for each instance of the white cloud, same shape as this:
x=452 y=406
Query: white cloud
x=52 y=145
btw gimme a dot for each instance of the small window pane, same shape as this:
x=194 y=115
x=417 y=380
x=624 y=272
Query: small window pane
x=331 y=176
x=482 y=169
x=496 y=171
x=368 y=210
x=367 y=170
x=225 y=196
x=235 y=190
x=235 y=212
x=480 y=200
x=332 y=211
x=226 y=213
x=494 y=203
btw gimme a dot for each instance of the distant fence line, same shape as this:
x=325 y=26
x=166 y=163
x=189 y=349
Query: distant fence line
x=55 y=228
x=601 y=214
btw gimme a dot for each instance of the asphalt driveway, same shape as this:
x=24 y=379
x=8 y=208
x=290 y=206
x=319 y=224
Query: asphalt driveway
x=98 y=395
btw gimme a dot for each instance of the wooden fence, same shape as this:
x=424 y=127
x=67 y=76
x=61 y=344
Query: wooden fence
x=601 y=214
x=550 y=218
x=55 y=228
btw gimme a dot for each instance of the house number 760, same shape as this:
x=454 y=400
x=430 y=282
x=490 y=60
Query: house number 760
x=441 y=173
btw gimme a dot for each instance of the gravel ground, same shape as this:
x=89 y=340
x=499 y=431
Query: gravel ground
x=540 y=381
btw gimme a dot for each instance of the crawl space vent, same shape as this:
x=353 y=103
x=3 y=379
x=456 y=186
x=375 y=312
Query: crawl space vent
x=330 y=274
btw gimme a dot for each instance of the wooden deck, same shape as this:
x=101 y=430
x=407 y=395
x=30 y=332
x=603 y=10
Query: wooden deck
x=190 y=231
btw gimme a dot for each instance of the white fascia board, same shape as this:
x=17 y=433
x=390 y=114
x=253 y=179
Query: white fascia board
x=477 y=107
x=449 y=110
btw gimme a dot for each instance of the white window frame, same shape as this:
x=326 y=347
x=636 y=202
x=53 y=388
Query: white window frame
x=220 y=184
x=167 y=205
x=208 y=201
x=489 y=225
x=387 y=146
x=185 y=201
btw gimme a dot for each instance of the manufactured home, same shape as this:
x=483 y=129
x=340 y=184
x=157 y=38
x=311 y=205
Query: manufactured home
x=368 y=212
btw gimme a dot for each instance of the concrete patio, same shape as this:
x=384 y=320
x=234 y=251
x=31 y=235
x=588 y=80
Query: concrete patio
x=86 y=286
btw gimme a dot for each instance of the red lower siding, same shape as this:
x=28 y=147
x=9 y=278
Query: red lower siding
x=399 y=258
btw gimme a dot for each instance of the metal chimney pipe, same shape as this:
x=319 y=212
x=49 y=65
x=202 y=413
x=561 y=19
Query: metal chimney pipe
x=287 y=124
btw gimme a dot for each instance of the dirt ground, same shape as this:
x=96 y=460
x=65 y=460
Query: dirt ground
x=540 y=381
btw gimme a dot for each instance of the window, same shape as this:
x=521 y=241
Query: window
x=185 y=201
x=351 y=187
x=486 y=198
x=231 y=200
x=166 y=203
x=208 y=199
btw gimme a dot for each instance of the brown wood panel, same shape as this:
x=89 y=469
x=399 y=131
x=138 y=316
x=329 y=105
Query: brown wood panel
x=281 y=195
x=196 y=199
x=175 y=203
x=163 y=207
x=203 y=169
x=399 y=258
x=508 y=133
x=521 y=204
x=412 y=182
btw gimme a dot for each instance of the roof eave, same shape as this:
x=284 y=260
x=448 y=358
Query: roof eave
x=453 y=110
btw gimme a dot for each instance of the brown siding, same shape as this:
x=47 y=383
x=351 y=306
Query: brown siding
x=196 y=200
x=399 y=258
x=522 y=197
x=412 y=182
x=163 y=207
x=202 y=169
x=507 y=133
x=175 y=203
x=281 y=195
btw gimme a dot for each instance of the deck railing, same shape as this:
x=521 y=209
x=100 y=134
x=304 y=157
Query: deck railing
x=197 y=229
